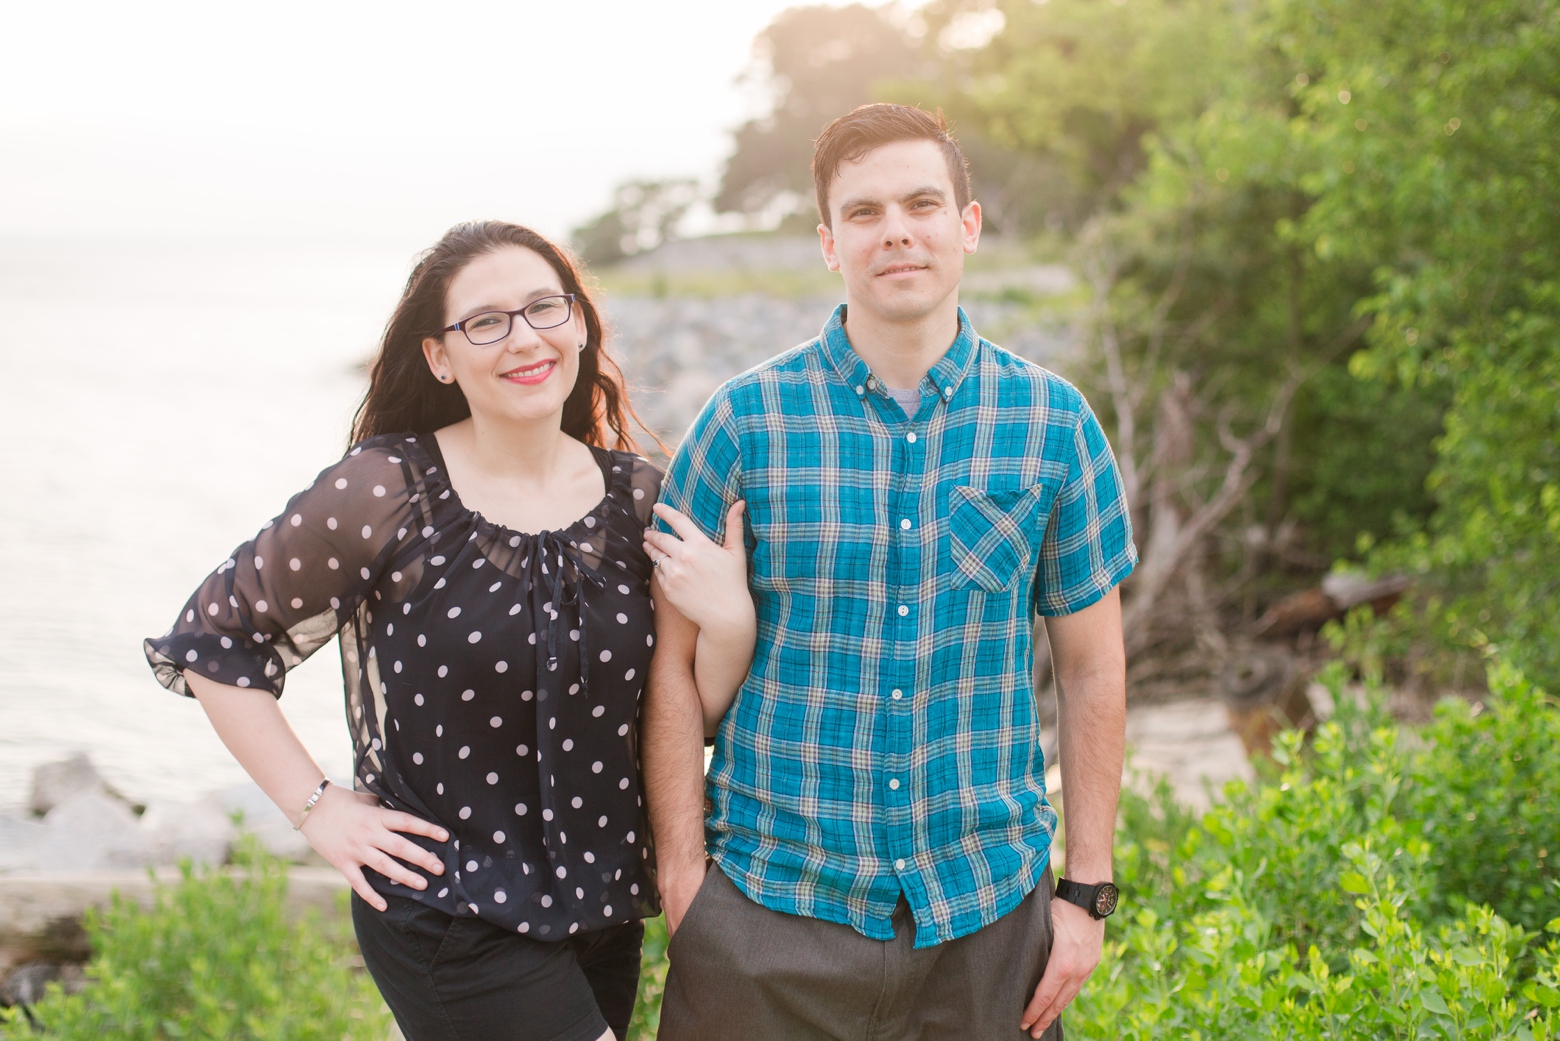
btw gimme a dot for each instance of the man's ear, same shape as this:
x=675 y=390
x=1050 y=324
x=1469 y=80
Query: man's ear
x=969 y=220
x=826 y=242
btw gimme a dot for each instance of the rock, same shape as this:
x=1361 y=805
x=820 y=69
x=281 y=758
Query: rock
x=40 y=914
x=19 y=842
x=26 y=984
x=91 y=831
x=1189 y=742
x=676 y=350
x=54 y=783
x=201 y=831
x=261 y=818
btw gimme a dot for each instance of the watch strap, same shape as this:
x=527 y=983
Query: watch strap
x=1084 y=896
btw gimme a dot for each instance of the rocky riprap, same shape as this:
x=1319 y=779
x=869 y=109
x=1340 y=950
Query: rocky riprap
x=676 y=350
x=77 y=841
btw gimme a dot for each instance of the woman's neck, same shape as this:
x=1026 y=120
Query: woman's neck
x=507 y=449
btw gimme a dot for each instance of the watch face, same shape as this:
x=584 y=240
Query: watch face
x=1105 y=900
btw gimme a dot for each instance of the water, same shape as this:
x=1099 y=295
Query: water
x=162 y=400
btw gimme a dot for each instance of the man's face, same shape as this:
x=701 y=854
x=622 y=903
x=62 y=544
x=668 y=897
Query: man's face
x=898 y=238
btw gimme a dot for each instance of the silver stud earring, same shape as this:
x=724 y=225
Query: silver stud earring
x=581 y=346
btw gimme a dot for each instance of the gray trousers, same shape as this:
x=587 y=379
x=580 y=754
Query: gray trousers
x=740 y=970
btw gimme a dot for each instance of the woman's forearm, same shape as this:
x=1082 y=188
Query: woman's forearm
x=250 y=723
x=722 y=657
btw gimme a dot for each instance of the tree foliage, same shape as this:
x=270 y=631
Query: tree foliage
x=1322 y=242
x=644 y=214
x=816 y=63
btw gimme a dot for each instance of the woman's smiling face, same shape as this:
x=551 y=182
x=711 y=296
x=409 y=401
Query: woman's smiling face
x=527 y=375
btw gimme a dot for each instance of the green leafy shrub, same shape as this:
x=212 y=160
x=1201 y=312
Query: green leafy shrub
x=217 y=957
x=652 y=981
x=1381 y=884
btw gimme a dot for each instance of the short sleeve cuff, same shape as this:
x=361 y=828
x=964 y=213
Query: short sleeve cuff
x=220 y=659
x=1091 y=590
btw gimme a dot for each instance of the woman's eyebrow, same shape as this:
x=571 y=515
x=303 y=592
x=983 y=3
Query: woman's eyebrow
x=530 y=298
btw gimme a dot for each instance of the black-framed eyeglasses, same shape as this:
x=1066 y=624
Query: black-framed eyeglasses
x=546 y=312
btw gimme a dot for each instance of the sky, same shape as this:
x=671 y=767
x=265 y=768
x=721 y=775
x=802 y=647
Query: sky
x=348 y=121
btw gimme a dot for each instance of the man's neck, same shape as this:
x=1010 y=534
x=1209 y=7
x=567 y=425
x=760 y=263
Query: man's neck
x=900 y=353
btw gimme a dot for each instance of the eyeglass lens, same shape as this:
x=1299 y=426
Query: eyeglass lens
x=547 y=313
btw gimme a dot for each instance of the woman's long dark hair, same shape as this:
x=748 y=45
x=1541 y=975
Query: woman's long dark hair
x=402 y=392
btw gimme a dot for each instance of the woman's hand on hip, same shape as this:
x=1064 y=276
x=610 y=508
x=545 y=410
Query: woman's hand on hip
x=705 y=580
x=352 y=831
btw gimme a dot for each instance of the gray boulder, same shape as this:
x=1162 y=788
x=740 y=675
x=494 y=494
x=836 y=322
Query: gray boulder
x=19 y=842
x=91 y=831
x=54 y=783
x=201 y=831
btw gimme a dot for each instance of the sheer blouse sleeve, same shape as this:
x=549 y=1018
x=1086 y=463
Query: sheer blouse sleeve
x=285 y=593
x=645 y=480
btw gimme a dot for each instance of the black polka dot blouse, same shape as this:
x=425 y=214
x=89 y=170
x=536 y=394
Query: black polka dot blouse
x=493 y=677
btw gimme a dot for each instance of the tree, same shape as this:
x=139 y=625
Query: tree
x=1318 y=234
x=644 y=214
x=817 y=63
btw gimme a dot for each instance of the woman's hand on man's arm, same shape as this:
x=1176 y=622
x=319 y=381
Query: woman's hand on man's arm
x=707 y=582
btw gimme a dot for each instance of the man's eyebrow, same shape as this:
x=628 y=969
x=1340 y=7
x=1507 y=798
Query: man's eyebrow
x=863 y=200
x=916 y=193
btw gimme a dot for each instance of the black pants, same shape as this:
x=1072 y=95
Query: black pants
x=463 y=979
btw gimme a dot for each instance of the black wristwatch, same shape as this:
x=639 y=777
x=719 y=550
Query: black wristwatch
x=1099 y=901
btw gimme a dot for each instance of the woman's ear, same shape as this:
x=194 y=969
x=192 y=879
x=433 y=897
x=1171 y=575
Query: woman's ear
x=438 y=358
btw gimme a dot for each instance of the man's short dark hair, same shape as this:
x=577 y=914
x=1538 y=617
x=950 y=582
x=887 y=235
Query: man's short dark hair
x=852 y=136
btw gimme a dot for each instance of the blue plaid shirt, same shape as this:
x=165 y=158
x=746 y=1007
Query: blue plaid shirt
x=886 y=741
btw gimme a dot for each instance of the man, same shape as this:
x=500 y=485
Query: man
x=877 y=815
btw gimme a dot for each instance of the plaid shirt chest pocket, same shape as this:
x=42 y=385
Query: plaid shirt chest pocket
x=991 y=534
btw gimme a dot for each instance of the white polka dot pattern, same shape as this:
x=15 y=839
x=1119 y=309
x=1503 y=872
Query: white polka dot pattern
x=498 y=632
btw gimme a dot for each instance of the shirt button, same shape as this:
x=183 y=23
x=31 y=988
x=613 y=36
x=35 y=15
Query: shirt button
x=860 y=391
x=893 y=782
x=905 y=524
x=947 y=392
x=899 y=865
x=898 y=693
x=910 y=437
x=903 y=610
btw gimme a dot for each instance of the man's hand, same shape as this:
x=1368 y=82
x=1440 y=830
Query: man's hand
x=1076 y=942
x=678 y=888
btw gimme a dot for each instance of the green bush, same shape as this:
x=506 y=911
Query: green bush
x=1382 y=883
x=1378 y=882
x=652 y=981
x=218 y=958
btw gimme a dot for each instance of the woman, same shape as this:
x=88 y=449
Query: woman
x=481 y=553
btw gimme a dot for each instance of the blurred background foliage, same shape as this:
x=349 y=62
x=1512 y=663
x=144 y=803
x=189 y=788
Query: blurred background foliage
x=1319 y=242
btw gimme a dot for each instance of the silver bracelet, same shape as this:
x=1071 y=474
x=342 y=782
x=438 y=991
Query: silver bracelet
x=310 y=804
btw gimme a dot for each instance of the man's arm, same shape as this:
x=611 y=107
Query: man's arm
x=673 y=760
x=1090 y=666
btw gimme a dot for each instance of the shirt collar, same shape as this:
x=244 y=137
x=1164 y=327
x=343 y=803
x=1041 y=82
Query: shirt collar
x=945 y=376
